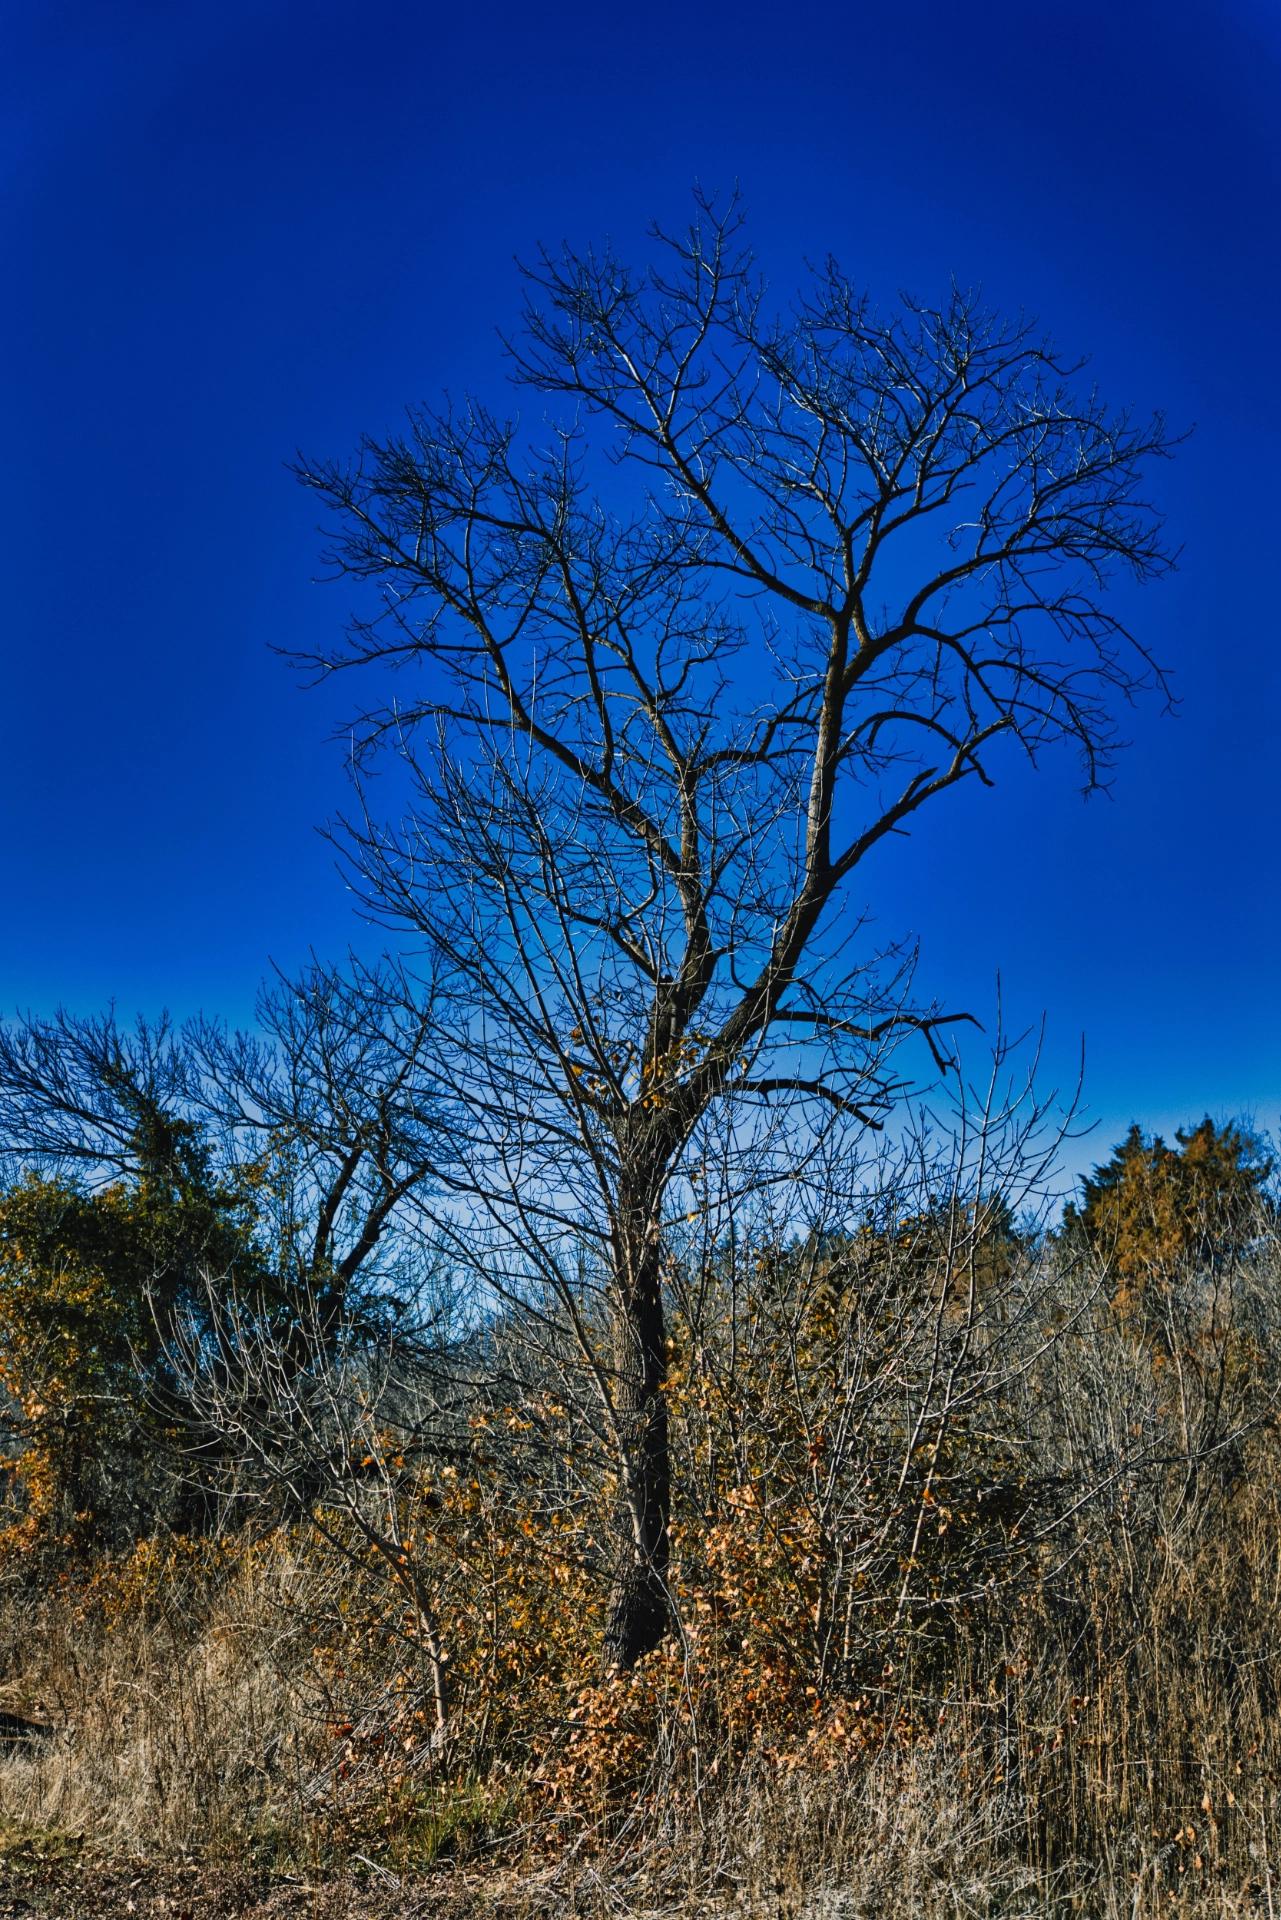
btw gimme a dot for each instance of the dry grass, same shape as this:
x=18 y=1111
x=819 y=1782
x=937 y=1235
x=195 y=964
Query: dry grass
x=1124 y=1775
x=184 y=1715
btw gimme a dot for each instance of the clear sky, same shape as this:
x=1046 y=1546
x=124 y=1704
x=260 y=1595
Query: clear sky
x=232 y=231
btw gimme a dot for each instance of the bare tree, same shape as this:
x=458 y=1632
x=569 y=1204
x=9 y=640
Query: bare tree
x=322 y=1117
x=747 y=593
x=331 y=1096
x=271 y=1172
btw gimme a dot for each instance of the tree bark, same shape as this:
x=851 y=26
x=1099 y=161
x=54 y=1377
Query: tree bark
x=639 y=1607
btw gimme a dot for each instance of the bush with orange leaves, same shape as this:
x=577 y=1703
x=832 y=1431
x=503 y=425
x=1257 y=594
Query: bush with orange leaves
x=845 y=1503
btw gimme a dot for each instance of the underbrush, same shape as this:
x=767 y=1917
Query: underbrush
x=1106 y=1744
x=975 y=1609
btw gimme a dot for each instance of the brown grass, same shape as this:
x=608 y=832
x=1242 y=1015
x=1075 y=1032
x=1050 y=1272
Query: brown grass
x=1090 y=1762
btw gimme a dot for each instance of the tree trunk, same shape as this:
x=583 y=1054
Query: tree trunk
x=639 y=1608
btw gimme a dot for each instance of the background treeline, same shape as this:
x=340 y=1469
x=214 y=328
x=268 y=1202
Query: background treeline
x=308 y=1539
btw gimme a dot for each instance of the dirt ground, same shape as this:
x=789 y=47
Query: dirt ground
x=49 y=1887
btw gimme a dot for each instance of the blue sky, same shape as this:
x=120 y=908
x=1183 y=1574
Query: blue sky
x=232 y=232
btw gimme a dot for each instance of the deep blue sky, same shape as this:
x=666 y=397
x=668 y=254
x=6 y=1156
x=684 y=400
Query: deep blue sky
x=233 y=231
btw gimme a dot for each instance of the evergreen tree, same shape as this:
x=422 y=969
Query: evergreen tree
x=1151 y=1209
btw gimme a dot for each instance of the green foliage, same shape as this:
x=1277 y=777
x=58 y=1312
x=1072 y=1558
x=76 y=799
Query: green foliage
x=92 y=1286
